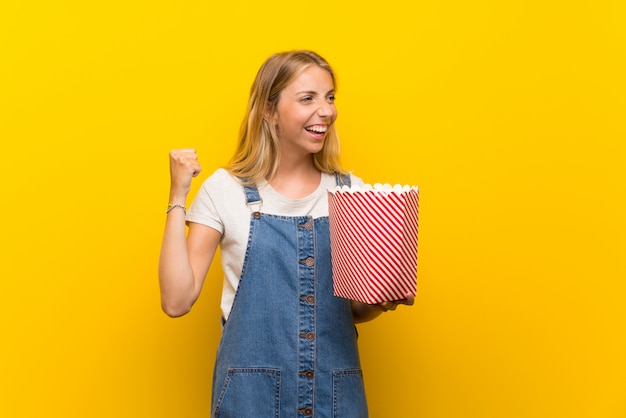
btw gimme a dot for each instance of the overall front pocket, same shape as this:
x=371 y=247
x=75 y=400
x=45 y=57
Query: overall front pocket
x=349 y=394
x=249 y=392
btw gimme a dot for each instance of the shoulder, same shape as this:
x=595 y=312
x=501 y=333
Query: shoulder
x=220 y=181
x=219 y=199
x=220 y=190
x=355 y=180
x=329 y=180
x=221 y=175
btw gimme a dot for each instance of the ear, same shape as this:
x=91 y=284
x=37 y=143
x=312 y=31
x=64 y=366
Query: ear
x=267 y=112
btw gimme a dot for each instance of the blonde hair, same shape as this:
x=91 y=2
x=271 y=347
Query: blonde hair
x=258 y=153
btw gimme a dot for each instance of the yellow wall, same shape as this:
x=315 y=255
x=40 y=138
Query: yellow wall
x=510 y=116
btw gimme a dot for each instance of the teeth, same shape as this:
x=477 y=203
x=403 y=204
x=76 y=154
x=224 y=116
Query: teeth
x=317 y=128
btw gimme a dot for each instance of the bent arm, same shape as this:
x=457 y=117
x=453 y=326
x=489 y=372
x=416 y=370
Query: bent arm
x=185 y=258
x=362 y=312
x=184 y=262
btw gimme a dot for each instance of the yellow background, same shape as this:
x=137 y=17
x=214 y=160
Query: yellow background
x=509 y=115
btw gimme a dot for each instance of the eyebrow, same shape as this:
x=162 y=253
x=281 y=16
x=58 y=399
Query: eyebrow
x=313 y=93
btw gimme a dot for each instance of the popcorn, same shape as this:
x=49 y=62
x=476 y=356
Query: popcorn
x=373 y=237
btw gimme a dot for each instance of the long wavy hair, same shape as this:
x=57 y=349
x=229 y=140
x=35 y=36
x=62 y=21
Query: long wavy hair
x=257 y=156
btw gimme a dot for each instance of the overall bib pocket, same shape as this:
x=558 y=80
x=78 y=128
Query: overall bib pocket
x=249 y=392
x=349 y=394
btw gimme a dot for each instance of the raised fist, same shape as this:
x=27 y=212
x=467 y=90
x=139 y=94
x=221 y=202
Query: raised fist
x=184 y=166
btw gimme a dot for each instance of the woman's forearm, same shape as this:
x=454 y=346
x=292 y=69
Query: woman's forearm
x=362 y=312
x=176 y=277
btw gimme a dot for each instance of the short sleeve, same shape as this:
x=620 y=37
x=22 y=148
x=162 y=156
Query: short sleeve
x=356 y=181
x=203 y=209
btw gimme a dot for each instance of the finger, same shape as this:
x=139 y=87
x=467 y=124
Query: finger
x=192 y=165
x=184 y=158
x=183 y=151
x=188 y=160
x=389 y=306
x=182 y=155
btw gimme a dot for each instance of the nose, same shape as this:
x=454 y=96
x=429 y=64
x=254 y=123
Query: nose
x=324 y=109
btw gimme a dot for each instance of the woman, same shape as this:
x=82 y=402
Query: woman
x=288 y=346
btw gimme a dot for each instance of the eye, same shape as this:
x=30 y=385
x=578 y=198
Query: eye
x=306 y=99
x=330 y=98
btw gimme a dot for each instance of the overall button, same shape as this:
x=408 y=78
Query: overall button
x=310 y=299
x=309 y=261
x=308 y=224
x=309 y=336
x=309 y=374
x=256 y=215
x=306 y=411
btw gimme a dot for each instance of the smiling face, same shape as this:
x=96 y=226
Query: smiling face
x=305 y=111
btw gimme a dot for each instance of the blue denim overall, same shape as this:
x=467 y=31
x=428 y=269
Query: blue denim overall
x=289 y=347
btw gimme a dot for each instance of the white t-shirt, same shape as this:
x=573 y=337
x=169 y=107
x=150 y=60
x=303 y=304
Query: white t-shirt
x=221 y=205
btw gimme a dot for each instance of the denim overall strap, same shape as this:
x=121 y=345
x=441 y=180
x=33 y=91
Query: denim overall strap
x=253 y=199
x=342 y=179
x=288 y=348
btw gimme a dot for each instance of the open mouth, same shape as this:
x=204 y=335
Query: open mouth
x=317 y=129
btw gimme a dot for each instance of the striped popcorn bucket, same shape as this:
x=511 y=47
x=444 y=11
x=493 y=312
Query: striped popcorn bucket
x=373 y=238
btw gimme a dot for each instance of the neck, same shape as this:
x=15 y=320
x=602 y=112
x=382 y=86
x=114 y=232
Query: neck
x=296 y=179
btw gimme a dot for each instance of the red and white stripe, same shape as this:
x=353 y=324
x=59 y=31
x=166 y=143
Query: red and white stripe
x=374 y=244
